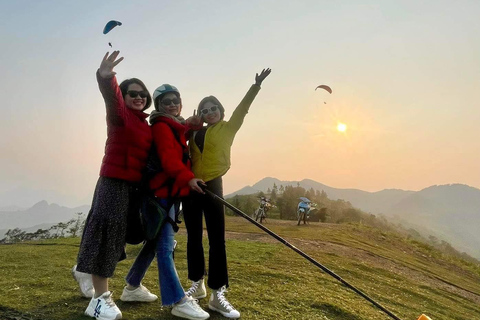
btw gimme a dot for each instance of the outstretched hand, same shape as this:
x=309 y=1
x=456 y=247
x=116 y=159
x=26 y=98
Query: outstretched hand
x=108 y=63
x=259 y=78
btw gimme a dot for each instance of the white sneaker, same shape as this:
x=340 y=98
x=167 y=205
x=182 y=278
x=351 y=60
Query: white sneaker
x=103 y=308
x=197 y=290
x=189 y=309
x=84 y=281
x=140 y=294
x=219 y=303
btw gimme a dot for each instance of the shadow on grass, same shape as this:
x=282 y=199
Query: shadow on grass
x=73 y=309
x=12 y=314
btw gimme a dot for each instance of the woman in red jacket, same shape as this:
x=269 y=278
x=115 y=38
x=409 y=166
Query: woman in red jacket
x=175 y=180
x=129 y=139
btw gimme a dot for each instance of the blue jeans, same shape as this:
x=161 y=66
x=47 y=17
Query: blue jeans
x=171 y=290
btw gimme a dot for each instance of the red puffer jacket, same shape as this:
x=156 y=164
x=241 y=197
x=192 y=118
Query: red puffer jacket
x=176 y=173
x=129 y=137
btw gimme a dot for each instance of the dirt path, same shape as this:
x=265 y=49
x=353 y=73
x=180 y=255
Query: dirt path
x=363 y=256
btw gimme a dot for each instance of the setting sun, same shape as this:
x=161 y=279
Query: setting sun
x=342 y=127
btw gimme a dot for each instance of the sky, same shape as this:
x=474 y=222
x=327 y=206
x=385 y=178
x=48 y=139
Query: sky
x=405 y=77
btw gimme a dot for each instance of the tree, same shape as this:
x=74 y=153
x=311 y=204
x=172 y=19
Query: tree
x=350 y=215
x=14 y=235
x=323 y=195
x=322 y=214
x=60 y=228
x=236 y=201
x=273 y=195
x=310 y=194
x=76 y=225
x=42 y=234
x=287 y=206
x=250 y=206
x=275 y=188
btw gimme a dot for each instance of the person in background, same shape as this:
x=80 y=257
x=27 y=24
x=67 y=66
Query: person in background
x=210 y=150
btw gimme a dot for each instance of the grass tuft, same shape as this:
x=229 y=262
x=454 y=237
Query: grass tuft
x=267 y=279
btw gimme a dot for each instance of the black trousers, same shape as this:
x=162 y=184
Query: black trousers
x=195 y=207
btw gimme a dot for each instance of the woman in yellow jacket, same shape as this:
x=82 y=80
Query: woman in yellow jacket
x=210 y=151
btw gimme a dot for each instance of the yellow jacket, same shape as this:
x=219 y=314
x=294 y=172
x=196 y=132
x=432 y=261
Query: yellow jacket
x=214 y=161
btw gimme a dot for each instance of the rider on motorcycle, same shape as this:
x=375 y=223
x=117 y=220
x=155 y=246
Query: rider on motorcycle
x=304 y=207
x=261 y=212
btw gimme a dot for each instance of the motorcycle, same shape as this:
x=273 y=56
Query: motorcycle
x=304 y=208
x=261 y=211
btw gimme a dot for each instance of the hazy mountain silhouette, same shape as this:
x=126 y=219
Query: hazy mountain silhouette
x=26 y=196
x=374 y=202
x=449 y=212
x=40 y=213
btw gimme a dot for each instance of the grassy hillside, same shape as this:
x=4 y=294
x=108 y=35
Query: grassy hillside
x=268 y=280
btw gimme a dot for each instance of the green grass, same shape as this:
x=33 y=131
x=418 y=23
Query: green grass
x=267 y=279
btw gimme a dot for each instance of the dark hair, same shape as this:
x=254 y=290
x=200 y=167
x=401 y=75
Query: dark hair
x=213 y=100
x=124 y=88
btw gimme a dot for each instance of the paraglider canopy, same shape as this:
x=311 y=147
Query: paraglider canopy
x=324 y=87
x=110 y=25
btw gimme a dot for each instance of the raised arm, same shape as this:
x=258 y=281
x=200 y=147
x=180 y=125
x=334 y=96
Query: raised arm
x=241 y=111
x=108 y=85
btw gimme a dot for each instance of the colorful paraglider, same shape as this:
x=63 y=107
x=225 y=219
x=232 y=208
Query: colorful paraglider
x=110 y=25
x=325 y=88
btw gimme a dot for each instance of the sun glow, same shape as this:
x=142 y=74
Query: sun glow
x=342 y=127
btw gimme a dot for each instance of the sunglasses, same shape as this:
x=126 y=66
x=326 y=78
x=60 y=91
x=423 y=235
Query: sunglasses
x=206 y=111
x=134 y=94
x=167 y=102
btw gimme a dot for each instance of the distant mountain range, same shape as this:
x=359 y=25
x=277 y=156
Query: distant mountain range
x=21 y=197
x=39 y=216
x=449 y=212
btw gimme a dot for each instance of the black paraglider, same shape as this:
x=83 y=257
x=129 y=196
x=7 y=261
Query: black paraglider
x=327 y=88
x=110 y=25
x=110 y=44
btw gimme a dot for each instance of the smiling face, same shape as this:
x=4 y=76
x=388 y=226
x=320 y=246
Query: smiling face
x=136 y=102
x=171 y=104
x=210 y=112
